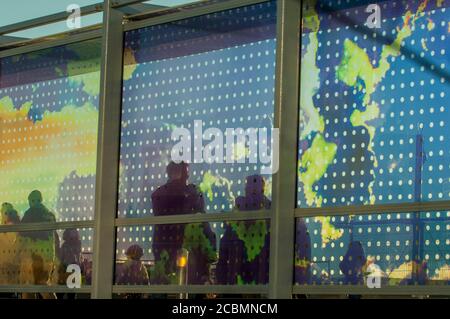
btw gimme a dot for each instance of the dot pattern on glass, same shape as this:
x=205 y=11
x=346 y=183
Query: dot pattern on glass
x=386 y=240
x=48 y=128
x=218 y=69
x=365 y=104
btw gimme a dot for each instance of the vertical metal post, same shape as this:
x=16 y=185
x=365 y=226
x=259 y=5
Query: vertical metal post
x=108 y=152
x=183 y=270
x=417 y=224
x=286 y=119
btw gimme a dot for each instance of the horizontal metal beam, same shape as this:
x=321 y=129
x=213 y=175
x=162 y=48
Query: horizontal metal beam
x=122 y=3
x=27 y=227
x=48 y=19
x=43 y=288
x=180 y=15
x=194 y=289
x=40 y=44
x=370 y=209
x=194 y=218
x=5 y=39
x=428 y=290
x=141 y=8
x=129 y=7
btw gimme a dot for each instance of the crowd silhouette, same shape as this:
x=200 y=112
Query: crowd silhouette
x=36 y=257
x=242 y=256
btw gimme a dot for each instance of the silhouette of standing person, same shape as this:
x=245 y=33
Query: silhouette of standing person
x=353 y=263
x=69 y=254
x=244 y=247
x=9 y=266
x=302 y=253
x=177 y=197
x=37 y=247
x=133 y=271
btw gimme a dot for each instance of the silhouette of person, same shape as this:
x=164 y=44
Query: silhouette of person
x=37 y=247
x=353 y=263
x=86 y=268
x=133 y=271
x=69 y=254
x=71 y=248
x=10 y=216
x=9 y=266
x=38 y=213
x=302 y=253
x=177 y=197
x=244 y=247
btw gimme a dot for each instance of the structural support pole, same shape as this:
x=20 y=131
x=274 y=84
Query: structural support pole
x=108 y=152
x=286 y=119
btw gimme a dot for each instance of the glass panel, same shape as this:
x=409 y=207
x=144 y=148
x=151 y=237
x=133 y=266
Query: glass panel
x=374 y=118
x=44 y=257
x=188 y=296
x=199 y=76
x=397 y=248
x=202 y=253
x=48 y=122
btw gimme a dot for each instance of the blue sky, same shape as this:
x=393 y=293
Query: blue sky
x=12 y=11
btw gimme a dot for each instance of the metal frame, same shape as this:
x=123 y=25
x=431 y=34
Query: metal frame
x=358 y=210
x=46 y=226
x=193 y=218
x=172 y=17
x=286 y=120
x=196 y=289
x=52 y=18
x=370 y=209
x=362 y=290
x=86 y=10
x=41 y=288
x=35 y=45
x=283 y=213
x=108 y=152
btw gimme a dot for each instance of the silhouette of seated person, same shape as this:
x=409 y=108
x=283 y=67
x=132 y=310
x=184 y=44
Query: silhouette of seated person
x=244 y=247
x=177 y=197
x=353 y=263
x=302 y=253
x=37 y=247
